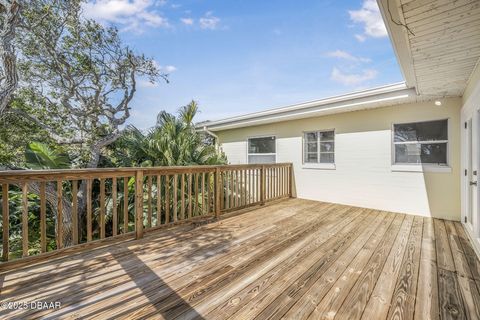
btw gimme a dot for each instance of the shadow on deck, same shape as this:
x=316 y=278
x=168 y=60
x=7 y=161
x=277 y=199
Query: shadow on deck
x=293 y=259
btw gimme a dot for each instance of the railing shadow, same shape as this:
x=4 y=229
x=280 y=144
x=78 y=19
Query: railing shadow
x=138 y=283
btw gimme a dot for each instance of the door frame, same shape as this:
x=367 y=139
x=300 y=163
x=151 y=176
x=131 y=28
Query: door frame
x=471 y=109
x=470 y=165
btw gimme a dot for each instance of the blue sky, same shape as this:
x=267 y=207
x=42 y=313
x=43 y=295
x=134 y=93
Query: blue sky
x=236 y=57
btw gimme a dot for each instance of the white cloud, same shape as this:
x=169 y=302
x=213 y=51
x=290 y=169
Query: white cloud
x=209 y=21
x=369 y=15
x=130 y=14
x=167 y=69
x=340 y=54
x=360 y=37
x=350 y=79
x=187 y=21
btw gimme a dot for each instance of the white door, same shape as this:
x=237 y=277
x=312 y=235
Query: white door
x=471 y=172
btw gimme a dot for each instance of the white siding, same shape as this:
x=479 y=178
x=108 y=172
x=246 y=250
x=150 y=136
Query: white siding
x=363 y=174
x=235 y=151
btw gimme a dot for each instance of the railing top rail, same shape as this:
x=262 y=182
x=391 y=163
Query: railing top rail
x=73 y=174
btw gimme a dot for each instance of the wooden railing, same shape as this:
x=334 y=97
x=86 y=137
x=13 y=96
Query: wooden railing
x=45 y=212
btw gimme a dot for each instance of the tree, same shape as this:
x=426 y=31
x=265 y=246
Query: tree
x=174 y=141
x=82 y=74
x=9 y=20
x=78 y=82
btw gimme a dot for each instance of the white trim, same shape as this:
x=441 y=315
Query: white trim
x=261 y=154
x=398 y=36
x=374 y=98
x=470 y=110
x=421 y=167
x=318 y=165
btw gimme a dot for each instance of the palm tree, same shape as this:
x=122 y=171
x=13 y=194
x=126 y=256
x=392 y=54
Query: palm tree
x=172 y=142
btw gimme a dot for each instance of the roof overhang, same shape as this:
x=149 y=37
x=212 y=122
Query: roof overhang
x=374 y=98
x=437 y=42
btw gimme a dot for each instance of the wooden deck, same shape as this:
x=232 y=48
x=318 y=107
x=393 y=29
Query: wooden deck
x=295 y=259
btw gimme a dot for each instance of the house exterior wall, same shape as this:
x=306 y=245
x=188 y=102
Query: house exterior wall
x=363 y=174
x=471 y=111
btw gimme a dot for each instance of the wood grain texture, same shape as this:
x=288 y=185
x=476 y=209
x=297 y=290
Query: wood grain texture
x=25 y=220
x=426 y=306
x=291 y=259
x=5 y=222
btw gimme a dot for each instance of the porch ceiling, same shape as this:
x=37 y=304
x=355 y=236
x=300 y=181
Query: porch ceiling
x=437 y=42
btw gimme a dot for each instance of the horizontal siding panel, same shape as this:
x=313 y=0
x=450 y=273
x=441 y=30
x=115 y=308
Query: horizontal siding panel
x=363 y=173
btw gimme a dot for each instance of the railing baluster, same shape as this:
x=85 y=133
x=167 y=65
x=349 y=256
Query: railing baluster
x=209 y=190
x=102 y=208
x=125 y=205
x=167 y=199
x=263 y=181
x=59 y=214
x=182 y=196
x=240 y=191
x=202 y=212
x=249 y=186
x=5 y=222
x=209 y=198
x=149 y=201
x=43 y=217
x=114 y=207
x=219 y=191
x=89 y=210
x=175 y=197
x=218 y=188
x=195 y=211
x=75 y=211
x=159 y=200
x=139 y=204
x=24 y=219
x=231 y=204
x=189 y=195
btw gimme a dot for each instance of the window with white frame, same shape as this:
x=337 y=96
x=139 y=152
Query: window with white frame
x=421 y=143
x=319 y=147
x=262 y=150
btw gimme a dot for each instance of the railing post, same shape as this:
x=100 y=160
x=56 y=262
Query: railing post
x=218 y=192
x=263 y=180
x=5 y=222
x=290 y=181
x=139 y=204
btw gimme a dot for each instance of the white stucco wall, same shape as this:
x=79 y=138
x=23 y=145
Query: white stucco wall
x=363 y=174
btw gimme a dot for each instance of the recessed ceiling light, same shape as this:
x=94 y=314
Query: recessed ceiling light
x=438 y=102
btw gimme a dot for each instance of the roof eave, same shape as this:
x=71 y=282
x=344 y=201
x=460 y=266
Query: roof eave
x=391 y=11
x=374 y=98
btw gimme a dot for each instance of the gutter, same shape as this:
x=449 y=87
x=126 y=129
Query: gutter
x=217 y=145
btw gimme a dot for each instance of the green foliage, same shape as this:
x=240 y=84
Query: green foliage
x=82 y=77
x=40 y=156
x=16 y=132
x=172 y=142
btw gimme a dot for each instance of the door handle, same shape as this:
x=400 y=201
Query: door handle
x=473 y=183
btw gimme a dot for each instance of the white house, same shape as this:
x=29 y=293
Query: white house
x=411 y=147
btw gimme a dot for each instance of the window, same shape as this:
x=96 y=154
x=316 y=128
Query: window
x=319 y=147
x=262 y=150
x=421 y=143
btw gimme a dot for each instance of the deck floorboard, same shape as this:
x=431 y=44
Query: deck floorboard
x=294 y=259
